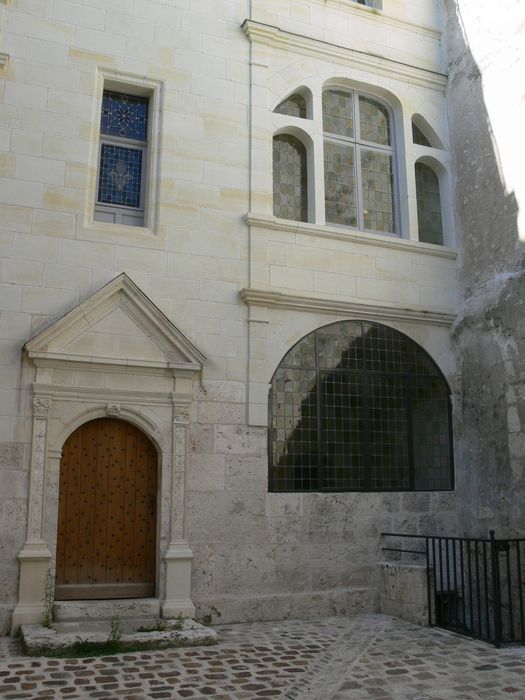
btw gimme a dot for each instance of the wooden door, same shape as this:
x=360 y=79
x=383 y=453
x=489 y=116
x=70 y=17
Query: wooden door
x=106 y=543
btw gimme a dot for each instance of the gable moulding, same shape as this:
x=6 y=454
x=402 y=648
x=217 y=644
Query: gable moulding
x=123 y=293
x=276 y=38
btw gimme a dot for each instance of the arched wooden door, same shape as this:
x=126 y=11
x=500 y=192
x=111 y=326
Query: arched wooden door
x=107 y=530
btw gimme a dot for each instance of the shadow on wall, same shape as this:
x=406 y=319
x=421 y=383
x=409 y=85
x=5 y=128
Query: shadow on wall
x=489 y=331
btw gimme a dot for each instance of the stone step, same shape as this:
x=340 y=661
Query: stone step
x=129 y=608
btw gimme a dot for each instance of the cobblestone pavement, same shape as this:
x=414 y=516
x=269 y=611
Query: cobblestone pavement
x=371 y=657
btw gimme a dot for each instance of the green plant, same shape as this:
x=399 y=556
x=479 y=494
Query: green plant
x=48 y=599
x=115 y=632
x=179 y=622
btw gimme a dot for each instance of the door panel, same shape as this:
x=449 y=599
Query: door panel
x=106 y=543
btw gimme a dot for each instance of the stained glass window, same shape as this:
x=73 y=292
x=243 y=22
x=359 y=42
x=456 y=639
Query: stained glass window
x=289 y=178
x=359 y=168
x=428 y=205
x=123 y=135
x=120 y=175
x=124 y=115
x=357 y=406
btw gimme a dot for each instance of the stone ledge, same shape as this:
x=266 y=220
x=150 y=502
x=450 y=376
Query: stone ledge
x=38 y=640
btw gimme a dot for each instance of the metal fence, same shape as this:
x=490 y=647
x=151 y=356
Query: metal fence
x=475 y=587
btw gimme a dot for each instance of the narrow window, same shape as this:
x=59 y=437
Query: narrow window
x=359 y=162
x=430 y=225
x=122 y=159
x=419 y=137
x=293 y=106
x=289 y=178
x=358 y=406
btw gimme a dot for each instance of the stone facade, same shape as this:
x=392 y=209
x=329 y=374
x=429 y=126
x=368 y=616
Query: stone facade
x=239 y=285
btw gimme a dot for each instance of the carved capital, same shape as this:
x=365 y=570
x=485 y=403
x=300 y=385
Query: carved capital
x=181 y=416
x=113 y=409
x=41 y=407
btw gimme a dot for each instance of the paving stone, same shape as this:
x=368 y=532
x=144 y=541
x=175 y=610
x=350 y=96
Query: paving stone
x=370 y=657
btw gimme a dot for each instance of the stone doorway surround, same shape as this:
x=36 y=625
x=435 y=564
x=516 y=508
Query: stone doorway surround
x=116 y=354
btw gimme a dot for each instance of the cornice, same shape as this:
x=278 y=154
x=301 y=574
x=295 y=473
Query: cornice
x=101 y=364
x=353 y=8
x=115 y=396
x=374 y=239
x=354 y=308
x=276 y=38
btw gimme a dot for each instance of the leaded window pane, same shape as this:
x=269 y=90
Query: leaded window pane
x=419 y=137
x=378 y=191
x=293 y=106
x=125 y=116
x=372 y=413
x=340 y=345
x=374 y=122
x=302 y=354
x=386 y=350
x=289 y=178
x=428 y=205
x=430 y=434
x=388 y=433
x=338 y=112
x=120 y=175
x=293 y=433
x=339 y=182
x=344 y=448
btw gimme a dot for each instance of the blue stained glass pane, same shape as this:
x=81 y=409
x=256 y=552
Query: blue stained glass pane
x=124 y=115
x=120 y=175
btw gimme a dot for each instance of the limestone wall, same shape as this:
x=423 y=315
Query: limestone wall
x=486 y=110
x=256 y=554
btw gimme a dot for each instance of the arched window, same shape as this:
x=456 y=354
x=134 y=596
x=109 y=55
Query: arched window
x=430 y=225
x=290 y=197
x=359 y=161
x=419 y=137
x=293 y=106
x=358 y=406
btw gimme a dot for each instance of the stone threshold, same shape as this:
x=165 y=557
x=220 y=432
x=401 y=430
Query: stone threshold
x=67 y=637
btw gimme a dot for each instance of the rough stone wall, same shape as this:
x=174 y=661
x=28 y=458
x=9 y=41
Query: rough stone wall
x=489 y=333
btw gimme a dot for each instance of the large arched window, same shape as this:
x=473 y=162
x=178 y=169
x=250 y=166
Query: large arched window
x=290 y=196
x=358 y=406
x=358 y=161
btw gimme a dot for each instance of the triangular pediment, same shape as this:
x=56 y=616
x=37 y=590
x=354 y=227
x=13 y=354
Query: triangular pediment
x=118 y=325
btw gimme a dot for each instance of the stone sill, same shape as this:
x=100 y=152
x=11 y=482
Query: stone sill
x=362 y=237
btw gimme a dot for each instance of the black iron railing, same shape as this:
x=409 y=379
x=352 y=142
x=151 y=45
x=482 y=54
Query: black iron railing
x=475 y=586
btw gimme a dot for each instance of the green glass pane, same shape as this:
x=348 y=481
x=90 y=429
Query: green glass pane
x=430 y=224
x=374 y=121
x=289 y=178
x=338 y=113
x=340 y=192
x=293 y=106
x=378 y=191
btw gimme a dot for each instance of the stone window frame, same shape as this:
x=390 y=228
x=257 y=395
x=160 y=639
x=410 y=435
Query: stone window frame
x=314 y=144
x=149 y=234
